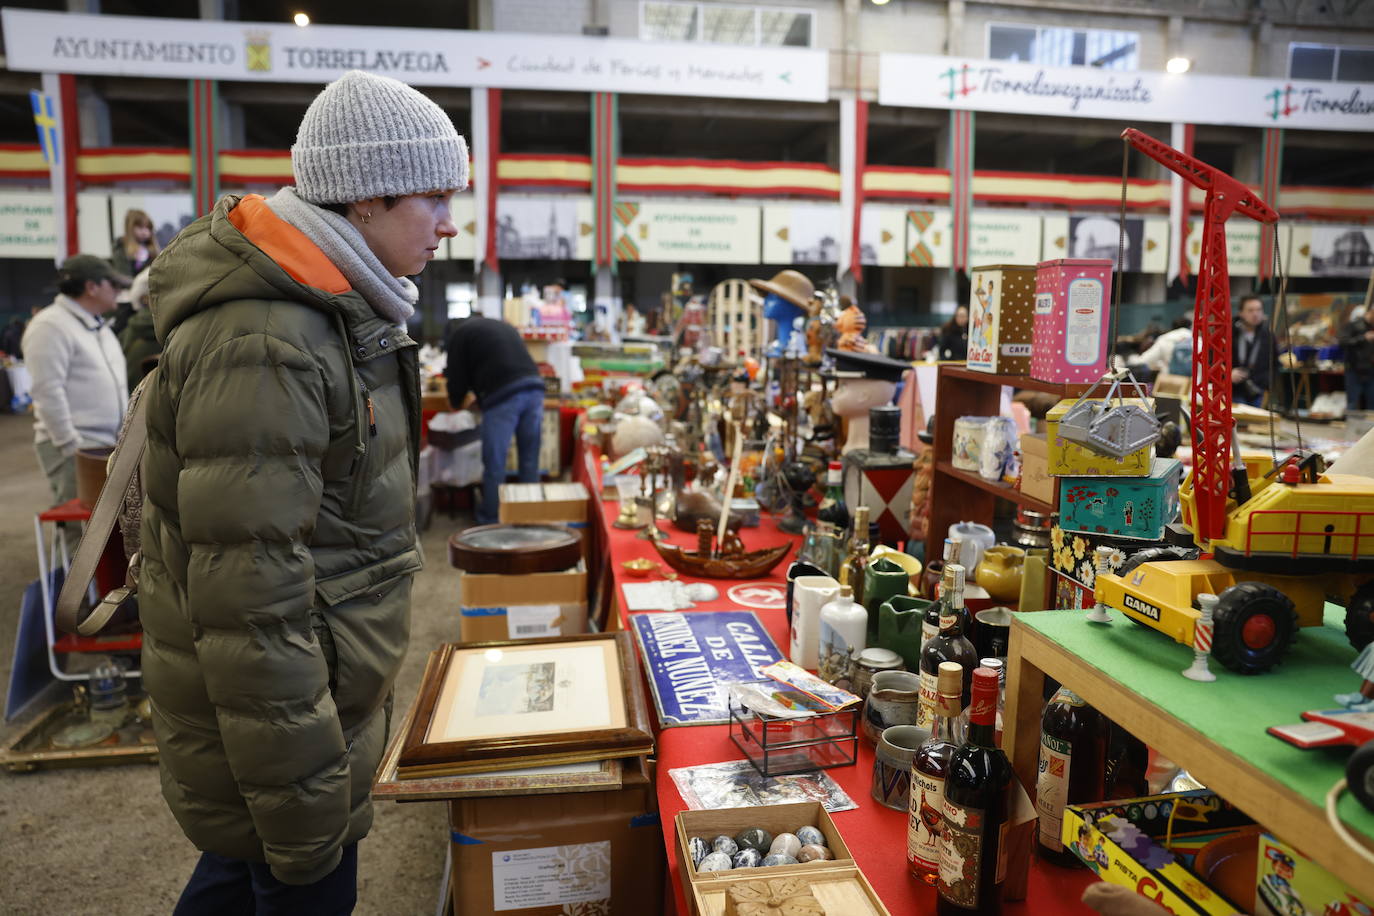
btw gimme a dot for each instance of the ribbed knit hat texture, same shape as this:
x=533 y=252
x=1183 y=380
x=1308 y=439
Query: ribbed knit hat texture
x=373 y=136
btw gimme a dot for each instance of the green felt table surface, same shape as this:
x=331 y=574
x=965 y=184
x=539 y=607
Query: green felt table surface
x=1234 y=710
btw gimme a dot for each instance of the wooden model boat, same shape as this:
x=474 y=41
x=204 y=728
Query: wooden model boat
x=731 y=561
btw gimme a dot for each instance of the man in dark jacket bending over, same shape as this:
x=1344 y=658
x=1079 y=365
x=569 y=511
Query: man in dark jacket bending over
x=488 y=363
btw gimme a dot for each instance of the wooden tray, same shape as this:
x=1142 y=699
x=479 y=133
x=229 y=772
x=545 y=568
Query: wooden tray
x=839 y=883
x=515 y=550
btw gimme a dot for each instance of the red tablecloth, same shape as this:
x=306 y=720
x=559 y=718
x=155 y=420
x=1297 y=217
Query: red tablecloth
x=876 y=835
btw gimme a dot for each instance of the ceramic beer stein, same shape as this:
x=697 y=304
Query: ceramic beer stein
x=897 y=747
x=892 y=700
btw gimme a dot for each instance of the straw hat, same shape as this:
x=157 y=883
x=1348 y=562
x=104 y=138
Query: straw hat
x=790 y=285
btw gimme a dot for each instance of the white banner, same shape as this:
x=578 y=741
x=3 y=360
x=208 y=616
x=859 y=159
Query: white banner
x=1140 y=96
x=1097 y=236
x=881 y=236
x=1003 y=238
x=206 y=49
x=28 y=226
x=687 y=233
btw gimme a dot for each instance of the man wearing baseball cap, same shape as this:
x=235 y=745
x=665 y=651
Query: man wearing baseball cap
x=78 y=376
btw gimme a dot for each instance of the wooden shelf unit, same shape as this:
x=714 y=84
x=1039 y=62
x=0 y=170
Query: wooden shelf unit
x=957 y=495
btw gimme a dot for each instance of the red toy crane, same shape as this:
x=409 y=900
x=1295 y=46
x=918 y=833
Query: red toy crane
x=1211 y=398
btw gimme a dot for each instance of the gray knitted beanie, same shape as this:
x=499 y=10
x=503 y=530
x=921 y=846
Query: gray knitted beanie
x=373 y=136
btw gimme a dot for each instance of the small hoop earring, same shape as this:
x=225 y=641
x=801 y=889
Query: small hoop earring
x=367 y=217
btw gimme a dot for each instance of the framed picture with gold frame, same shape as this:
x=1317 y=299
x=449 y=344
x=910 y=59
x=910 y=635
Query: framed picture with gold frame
x=493 y=705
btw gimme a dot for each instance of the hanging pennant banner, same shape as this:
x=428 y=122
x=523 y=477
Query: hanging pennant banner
x=688 y=233
x=1134 y=96
x=928 y=238
x=208 y=49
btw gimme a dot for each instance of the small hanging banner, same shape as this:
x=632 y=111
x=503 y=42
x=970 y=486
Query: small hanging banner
x=605 y=154
x=1270 y=170
x=960 y=184
x=203 y=121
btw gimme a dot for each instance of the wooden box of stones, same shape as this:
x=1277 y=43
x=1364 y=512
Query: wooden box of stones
x=772 y=860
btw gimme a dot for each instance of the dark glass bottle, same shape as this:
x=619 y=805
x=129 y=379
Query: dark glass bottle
x=949 y=645
x=852 y=571
x=1128 y=764
x=973 y=854
x=929 y=769
x=1073 y=768
x=832 y=510
x=930 y=625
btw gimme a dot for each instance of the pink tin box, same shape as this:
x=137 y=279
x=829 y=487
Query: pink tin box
x=1072 y=306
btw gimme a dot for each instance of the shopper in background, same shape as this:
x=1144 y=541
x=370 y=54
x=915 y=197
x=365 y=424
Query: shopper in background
x=133 y=252
x=1252 y=353
x=489 y=364
x=1170 y=352
x=1357 y=345
x=952 y=343
x=139 y=337
x=279 y=520
x=77 y=370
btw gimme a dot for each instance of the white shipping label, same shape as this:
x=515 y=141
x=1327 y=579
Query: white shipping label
x=551 y=876
x=1083 y=322
x=534 y=621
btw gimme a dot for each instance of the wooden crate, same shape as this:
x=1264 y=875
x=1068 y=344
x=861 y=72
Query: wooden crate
x=837 y=884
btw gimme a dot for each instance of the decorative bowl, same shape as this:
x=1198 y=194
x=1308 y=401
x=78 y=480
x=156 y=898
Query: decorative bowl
x=639 y=567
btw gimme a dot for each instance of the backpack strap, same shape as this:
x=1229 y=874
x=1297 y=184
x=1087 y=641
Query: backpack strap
x=124 y=463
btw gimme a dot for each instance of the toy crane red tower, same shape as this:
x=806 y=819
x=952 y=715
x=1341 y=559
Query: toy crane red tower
x=1211 y=397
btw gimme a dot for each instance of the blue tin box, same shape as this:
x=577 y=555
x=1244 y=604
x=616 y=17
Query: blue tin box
x=1125 y=507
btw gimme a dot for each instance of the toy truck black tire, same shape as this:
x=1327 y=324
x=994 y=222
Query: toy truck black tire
x=1359 y=773
x=1359 y=617
x=1255 y=626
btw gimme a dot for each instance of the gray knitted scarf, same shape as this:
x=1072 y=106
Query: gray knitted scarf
x=393 y=298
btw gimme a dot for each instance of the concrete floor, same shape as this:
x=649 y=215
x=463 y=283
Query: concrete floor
x=101 y=841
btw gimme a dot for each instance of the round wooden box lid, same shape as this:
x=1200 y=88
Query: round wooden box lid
x=515 y=550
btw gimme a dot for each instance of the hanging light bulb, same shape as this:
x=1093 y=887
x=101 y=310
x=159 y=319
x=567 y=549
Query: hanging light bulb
x=1178 y=65
x=301 y=19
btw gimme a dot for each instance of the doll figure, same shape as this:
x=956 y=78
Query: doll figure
x=1361 y=700
x=785 y=315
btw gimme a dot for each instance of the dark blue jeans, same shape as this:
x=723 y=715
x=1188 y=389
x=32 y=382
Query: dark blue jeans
x=220 y=886
x=1357 y=387
x=520 y=416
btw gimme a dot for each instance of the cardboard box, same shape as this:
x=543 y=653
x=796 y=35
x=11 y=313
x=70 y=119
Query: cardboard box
x=1001 y=322
x=1072 y=304
x=1035 y=467
x=1069 y=459
x=600 y=852
x=1289 y=882
x=840 y=881
x=1128 y=507
x=1123 y=842
x=530 y=503
x=535 y=606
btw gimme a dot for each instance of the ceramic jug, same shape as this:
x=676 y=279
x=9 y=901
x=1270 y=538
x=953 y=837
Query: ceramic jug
x=809 y=595
x=892 y=758
x=899 y=628
x=892 y=700
x=883 y=578
x=976 y=538
x=1000 y=570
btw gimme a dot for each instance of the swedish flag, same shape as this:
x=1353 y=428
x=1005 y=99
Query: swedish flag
x=43 y=118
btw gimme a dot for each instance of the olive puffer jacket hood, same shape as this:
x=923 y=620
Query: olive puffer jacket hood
x=278 y=539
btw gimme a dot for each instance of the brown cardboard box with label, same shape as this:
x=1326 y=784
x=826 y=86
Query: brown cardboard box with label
x=534 y=606
x=545 y=855
x=1035 y=468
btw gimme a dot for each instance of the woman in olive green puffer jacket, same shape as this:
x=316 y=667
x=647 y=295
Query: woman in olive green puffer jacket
x=278 y=532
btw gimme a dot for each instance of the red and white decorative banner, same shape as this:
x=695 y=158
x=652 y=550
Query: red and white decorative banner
x=605 y=151
x=1181 y=139
x=961 y=184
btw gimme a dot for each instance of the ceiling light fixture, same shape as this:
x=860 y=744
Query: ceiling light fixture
x=1178 y=65
x=301 y=19
x=880 y=2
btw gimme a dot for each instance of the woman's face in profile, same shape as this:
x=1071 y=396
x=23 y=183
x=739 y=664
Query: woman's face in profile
x=406 y=237
x=961 y=316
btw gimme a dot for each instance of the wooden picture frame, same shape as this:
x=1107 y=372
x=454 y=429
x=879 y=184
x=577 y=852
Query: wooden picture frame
x=518 y=701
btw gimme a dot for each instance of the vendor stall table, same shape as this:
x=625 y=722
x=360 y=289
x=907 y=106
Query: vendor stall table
x=1133 y=678
x=875 y=834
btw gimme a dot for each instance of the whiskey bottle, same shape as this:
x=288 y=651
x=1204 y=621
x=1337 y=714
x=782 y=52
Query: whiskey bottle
x=930 y=624
x=1073 y=768
x=832 y=510
x=949 y=645
x=973 y=853
x=852 y=571
x=929 y=768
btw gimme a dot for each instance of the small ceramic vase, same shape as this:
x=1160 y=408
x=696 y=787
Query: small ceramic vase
x=869 y=663
x=892 y=765
x=882 y=579
x=893 y=700
x=1000 y=572
x=899 y=628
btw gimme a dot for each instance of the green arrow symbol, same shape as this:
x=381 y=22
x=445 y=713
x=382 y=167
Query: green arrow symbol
x=785 y=77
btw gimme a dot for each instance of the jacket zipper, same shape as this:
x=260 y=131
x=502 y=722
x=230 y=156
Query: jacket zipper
x=361 y=448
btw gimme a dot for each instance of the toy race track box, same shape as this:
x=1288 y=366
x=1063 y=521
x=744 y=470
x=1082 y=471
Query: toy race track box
x=1290 y=884
x=1148 y=844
